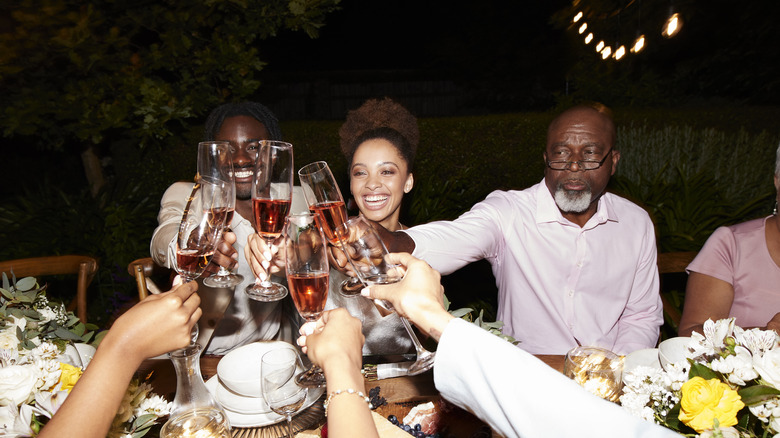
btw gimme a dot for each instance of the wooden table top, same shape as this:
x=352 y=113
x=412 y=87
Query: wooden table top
x=400 y=393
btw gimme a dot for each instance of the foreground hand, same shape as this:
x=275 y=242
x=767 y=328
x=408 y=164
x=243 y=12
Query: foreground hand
x=335 y=340
x=264 y=260
x=224 y=255
x=158 y=324
x=418 y=297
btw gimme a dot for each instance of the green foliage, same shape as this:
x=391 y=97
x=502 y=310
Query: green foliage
x=76 y=73
x=26 y=300
x=114 y=227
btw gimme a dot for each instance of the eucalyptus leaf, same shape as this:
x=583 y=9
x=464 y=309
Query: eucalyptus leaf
x=6 y=293
x=66 y=334
x=26 y=284
x=144 y=421
x=458 y=313
x=6 y=283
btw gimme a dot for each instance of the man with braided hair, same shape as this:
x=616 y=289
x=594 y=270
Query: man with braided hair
x=243 y=125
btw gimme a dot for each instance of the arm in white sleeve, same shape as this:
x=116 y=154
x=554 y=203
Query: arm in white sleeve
x=640 y=323
x=163 y=244
x=520 y=396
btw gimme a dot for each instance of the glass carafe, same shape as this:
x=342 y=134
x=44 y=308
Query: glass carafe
x=195 y=411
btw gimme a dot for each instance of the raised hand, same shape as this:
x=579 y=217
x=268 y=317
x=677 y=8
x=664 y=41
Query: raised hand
x=263 y=259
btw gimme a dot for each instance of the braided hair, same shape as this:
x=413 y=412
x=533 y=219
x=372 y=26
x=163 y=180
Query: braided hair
x=255 y=110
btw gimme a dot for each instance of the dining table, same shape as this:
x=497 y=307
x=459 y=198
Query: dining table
x=397 y=395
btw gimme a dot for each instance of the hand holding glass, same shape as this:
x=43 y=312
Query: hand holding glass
x=368 y=256
x=307 y=276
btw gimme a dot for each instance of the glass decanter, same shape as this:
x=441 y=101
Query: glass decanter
x=195 y=411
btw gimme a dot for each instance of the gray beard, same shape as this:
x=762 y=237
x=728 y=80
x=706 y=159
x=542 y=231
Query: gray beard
x=572 y=201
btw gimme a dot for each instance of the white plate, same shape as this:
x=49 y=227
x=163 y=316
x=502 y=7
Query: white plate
x=240 y=403
x=260 y=420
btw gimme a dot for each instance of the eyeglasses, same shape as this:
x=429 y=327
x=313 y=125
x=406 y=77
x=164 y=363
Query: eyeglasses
x=582 y=164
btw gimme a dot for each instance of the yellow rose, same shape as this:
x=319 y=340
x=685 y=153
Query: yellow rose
x=705 y=400
x=69 y=376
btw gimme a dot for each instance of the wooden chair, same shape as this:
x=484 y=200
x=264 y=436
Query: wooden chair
x=84 y=266
x=144 y=270
x=673 y=263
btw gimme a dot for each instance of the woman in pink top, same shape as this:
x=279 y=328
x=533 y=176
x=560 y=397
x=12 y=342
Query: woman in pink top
x=737 y=273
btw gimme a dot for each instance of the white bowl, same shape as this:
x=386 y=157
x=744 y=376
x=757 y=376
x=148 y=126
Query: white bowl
x=673 y=350
x=239 y=370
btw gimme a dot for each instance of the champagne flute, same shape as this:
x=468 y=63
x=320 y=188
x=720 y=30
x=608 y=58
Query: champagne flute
x=277 y=370
x=218 y=163
x=307 y=276
x=271 y=198
x=324 y=198
x=203 y=218
x=368 y=256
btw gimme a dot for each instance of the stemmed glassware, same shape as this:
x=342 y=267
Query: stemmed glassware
x=221 y=168
x=203 y=218
x=282 y=394
x=368 y=256
x=271 y=199
x=324 y=198
x=307 y=277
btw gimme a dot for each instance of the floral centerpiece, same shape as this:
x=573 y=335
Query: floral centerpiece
x=727 y=387
x=36 y=373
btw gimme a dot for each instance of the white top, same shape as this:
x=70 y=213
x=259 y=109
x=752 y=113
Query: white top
x=520 y=396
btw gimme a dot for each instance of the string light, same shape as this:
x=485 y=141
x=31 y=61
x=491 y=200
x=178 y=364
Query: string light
x=589 y=38
x=583 y=28
x=577 y=17
x=672 y=25
x=606 y=52
x=620 y=52
x=639 y=44
x=600 y=46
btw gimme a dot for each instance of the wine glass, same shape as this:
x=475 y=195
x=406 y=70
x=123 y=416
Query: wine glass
x=307 y=276
x=368 y=256
x=324 y=198
x=271 y=198
x=597 y=370
x=216 y=161
x=282 y=394
x=203 y=218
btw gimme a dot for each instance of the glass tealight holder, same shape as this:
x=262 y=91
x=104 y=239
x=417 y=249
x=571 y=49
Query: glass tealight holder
x=598 y=370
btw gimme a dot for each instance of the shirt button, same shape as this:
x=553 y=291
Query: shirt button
x=579 y=265
x=571 y=292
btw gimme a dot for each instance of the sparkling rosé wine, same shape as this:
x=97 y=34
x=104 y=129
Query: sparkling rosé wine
x=269 y=215
x=331 y=215
x=192 y=262
x=309 y=292
x=220 y=215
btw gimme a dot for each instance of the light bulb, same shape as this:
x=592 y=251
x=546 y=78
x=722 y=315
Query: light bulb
x=620 y=52
x=583 y=28
x=606 y=52
x=600 y=46
x=577 y=17
x=589 y=38
x=639 y=44
x=672 y=25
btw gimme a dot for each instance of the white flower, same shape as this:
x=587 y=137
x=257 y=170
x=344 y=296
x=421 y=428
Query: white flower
x=714 y=334
x=16 y=422
x=17 y=383
x=48 y=402
x=764 y=411
x=18 y=322
x=154 y=405
x=768 y=366
x=47 y=314
x=756 y=340
x=738 y=367
x=45 y=350
x=727 y=432
x=8 y=339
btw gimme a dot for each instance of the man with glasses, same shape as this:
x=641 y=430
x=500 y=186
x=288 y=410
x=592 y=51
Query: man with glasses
x=574 y=265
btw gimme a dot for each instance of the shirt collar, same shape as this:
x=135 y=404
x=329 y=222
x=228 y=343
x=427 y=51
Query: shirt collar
x=547 y=210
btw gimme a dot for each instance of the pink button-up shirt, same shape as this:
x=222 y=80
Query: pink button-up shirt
x=559 y=285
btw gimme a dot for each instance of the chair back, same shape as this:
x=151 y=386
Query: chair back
x=144 y=269
x=85 y=266
x=673 y=263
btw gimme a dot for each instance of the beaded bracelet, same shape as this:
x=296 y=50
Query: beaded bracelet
x=345 y=391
